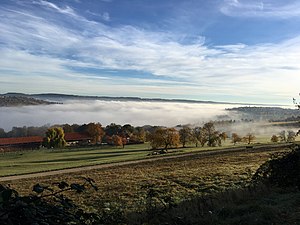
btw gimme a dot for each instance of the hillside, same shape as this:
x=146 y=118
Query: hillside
x=267 y=113
x=56 y=97
x=10 y=101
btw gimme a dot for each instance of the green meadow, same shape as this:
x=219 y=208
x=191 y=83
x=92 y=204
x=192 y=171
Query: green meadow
x=24 y=162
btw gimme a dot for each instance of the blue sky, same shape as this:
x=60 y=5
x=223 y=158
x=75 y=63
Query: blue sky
x=220 y=50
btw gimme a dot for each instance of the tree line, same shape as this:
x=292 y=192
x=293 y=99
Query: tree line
x=159 y=137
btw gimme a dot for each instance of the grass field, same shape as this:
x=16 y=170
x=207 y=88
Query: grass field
x=14 y=163
x=126 y=187
x=45 y=160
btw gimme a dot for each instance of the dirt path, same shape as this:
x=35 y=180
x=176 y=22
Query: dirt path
x=161 y=158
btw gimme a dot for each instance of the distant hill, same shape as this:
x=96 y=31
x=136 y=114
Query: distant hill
x=15 y=100
x=267 y=113
x=64 y=97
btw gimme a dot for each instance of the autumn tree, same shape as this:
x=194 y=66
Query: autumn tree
x=282 y=136
x=113 y=129
x=212 y=136
x=138 y=135
x=54 y=138
x=274 y=138
x=185 y=135
x=2 y=133
x=199 y=136
x=117 y=140
x=235 y=138
x=96 y=131
x=164 y=137
x=249 y=138
x=67 y=128
x=127 y=130
x=223 y=136
x=291 y=136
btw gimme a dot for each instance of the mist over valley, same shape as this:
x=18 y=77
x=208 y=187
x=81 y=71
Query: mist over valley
x=139 y=112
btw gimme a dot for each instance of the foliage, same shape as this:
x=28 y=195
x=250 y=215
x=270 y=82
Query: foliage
x=287 y=136
x=23 y=132
x=235 y=138
x=283 y=169
x=274 y=138
x=212 y=136
x=96 y=131
x=47 y=205
x=138 y=135
x=249 y=138
x=113 y=129
x=185 y=135
x=291 y=136
x=164 y=137
x=223 y=136
x=118 y=141
x=55 y=138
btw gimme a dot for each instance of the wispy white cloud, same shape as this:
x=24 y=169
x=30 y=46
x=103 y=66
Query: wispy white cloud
x=261 y=8
x=40 y=50
x=66 y=10
x=104 y=16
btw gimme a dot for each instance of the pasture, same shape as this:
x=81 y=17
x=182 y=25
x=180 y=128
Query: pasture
x=24 y=162
x=126 y=188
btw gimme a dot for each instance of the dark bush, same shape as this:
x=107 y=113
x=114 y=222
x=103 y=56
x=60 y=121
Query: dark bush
x=282 y=170
x=46 y=206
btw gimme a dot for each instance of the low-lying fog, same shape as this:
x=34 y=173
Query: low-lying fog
x=123 y=112
x=106 y=112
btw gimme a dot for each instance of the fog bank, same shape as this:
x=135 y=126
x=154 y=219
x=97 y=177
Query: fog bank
x=106 y=112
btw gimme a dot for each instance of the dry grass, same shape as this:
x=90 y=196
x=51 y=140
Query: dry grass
x=179 y=179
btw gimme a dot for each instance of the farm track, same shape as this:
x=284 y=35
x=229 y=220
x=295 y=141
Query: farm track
x=207 y=153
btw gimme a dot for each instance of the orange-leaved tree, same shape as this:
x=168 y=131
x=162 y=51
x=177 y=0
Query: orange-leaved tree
x=164 y=137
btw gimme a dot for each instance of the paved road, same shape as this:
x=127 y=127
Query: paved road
x=161 y=158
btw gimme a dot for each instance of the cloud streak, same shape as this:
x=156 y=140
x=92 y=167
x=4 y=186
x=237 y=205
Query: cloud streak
x=36 y=47
x=261 y=9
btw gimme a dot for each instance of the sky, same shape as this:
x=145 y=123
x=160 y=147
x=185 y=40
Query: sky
x=220 y=50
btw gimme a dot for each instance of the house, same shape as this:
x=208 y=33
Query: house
x=35 y=142
x=77 y=138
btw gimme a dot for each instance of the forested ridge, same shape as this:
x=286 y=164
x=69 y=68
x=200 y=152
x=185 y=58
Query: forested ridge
x=9 y=101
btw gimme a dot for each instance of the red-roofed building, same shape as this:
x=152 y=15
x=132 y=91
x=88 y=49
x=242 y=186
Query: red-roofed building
x=77 y=138
x=35 y=142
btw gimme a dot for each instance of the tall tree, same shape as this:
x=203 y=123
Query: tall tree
x=185 y=134
x=2 y=133
x=127 y=130
x=212 y=136
x=164 y=137
x=138 y=135
x=274 y=138
x=117 y=140
x=249 y=138
x=283 y=136
x=291 y=136
x=68 y=128
x=113 y=129
x=55 y=138
x=223 y=136
x=235 y=138
x=199 y=136
x=96 y=131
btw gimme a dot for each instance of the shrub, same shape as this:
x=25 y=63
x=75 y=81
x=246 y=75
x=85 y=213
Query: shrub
x=282 y=170
x=46 y=206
